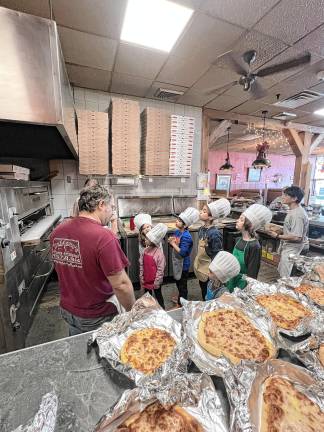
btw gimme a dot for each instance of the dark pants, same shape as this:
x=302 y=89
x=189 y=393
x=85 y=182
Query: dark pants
x=182 y=286
x=203 y=287
x=78 y=325
x=158 y=295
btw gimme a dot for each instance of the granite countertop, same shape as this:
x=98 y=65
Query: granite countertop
x=85 y=389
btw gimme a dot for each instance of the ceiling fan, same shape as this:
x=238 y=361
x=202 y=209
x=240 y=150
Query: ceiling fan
x=249 y=80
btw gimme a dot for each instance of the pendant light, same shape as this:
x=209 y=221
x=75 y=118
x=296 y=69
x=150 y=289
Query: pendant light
x=261 y=160
x=227 y=165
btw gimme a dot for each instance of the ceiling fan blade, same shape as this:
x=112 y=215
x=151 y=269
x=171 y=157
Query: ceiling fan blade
x=231 y=62
x=298 y=61
x=257 y=90
x=221 y=89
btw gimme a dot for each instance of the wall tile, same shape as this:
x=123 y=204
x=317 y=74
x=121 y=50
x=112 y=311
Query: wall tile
x=57 y=165
x=71 y=188
x=91 y=105
x=59 y=202
x=70 y=169
x=62 y=212
x=57 y=187
x=70 y=200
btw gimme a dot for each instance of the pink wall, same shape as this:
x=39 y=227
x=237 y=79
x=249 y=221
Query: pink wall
x=283 y=165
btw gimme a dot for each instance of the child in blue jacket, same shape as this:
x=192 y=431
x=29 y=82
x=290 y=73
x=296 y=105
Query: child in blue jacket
x=182 y=244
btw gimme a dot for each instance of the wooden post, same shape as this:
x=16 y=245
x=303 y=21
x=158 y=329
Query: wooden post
x=204 y=143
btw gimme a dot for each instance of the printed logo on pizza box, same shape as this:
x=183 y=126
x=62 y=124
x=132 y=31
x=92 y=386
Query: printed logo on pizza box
x=67 y=252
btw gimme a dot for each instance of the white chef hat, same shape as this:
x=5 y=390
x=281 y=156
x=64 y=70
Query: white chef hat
x=224 y=266
x=258 y=215
x=157 y=233
x=189 y=216
x=220 y=208
x=141 y=219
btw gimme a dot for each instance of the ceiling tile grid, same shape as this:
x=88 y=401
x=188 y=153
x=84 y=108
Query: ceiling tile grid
x=88 y=77
x=129 y=84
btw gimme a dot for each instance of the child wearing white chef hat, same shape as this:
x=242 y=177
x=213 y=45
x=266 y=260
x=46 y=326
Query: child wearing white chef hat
x=247 y=249
x=223 y=268
x=143 y=223
x=152 y=262
x=181 y=243
x=210 y=239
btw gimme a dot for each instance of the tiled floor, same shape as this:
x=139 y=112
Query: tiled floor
x=48 y=325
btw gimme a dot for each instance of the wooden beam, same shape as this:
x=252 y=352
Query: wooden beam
x=204 y=143
x=244 y=119
x=219 y=131
x=298 y=142
x=316 y=142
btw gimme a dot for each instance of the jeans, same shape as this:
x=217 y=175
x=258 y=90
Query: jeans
x=203 y=287
x=78 y=325
x=182 y=286
x=158 y=295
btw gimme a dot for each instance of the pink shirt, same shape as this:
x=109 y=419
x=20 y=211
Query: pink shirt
x=157 y=254
x=84 y=254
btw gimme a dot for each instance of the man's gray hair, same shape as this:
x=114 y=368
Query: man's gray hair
x=90 y=198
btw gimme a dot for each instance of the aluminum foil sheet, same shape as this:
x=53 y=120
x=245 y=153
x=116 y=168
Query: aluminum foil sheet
x=192 y=312
x=255 y=289
x=193 y=392
x=45 y=418
x=248 y=379
x=146 y=313
x=295 y=282
x=306 y=264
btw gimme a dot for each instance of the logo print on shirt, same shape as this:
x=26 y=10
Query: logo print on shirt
x=66 y=252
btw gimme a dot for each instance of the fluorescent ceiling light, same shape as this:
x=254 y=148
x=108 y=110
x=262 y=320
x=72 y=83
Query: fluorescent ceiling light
x=154 y=23
x=320 y=112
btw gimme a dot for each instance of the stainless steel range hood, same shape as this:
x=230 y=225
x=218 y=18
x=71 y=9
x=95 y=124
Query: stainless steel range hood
x=37 y=115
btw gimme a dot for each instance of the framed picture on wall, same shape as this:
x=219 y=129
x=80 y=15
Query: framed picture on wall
x=254 y=175
x=223 y=182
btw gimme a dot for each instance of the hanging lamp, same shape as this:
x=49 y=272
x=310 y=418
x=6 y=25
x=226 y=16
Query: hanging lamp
x=261 y=160
x=227 y=165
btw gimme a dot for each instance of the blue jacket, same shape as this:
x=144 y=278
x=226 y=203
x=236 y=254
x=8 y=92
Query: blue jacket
x=185 y=246
x=214 y=240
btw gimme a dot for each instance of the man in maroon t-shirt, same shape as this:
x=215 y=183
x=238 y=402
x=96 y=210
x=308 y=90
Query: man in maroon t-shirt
x=90 y=264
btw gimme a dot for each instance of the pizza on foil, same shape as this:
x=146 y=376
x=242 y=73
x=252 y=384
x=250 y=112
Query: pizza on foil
x=313 y=292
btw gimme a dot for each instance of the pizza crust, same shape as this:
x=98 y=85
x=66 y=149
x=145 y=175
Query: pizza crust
x=285 y=311
x=319 y=270
x=156 y=418
x=147 y=349
x=313 y=292
x=321 y=354
x=229 y=333
x=284 y=408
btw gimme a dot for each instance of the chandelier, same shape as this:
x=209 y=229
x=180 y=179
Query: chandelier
x=227 y=165
x=274 y=137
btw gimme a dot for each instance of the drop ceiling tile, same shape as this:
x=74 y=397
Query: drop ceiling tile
x=157 y=84
x=183 y=71
x=86 y=49
x=101 y=17
x=313 y=42
x=129 y=84
x=214 y=78
x=139 y=61
x=34 y=7
x=313 y=106
x=290 y=21
x=248 y=107
x=265 y=46
x=192 y=4
x=223 y=103
x=246 y=14
x=207 y=37
x=318 y=122
x=88 y=77
x=309 y=118
x=318 y=87
x=194 y=98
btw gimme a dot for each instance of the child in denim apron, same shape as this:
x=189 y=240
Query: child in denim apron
x=247 y=249
x=181 y=243
x=223 y=268
x=210 y=240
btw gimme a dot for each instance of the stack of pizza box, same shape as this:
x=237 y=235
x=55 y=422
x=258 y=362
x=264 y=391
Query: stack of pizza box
x=181 y=145
x=155 y=142
x=93 y=142
x=125 y=136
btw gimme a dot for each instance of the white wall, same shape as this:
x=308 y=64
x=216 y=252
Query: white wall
x=65 y=193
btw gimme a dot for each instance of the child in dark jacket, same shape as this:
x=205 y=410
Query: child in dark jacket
x=182 y=244
x=210 y=240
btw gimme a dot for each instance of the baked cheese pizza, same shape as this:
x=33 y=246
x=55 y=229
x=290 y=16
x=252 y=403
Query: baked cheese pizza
x=146 y=350
x=230 y=333
x=313 y=292
x=284 y=409
x=159 y=419
x=318 y=269
x=285 y=311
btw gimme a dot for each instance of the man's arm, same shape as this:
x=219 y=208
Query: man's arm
x=123 y=288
